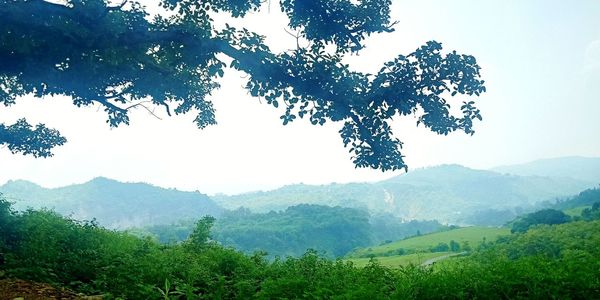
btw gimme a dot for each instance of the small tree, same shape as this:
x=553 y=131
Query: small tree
x=200 y=236
x=466 y=246
x=454 y=246
x=441 y=247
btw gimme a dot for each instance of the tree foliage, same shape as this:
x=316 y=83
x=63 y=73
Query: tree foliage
x=200 y=236
x=21 y=137
x=545 y=216
x=591 y=213
x=121 y=58
x=332 y=231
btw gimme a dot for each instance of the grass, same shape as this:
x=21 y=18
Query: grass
x=473 y=235
x=576 y=211
x=398 y=260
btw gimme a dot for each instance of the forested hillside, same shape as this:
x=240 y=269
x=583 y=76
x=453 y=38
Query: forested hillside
x=331 y=231
x=113 y=204
x=449 y=193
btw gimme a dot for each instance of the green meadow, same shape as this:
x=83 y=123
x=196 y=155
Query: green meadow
x=473 y=236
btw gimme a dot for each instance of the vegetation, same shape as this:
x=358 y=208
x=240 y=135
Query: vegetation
x=591 y=213
x=331 y=231
x=448 y=189
x=575 y=211
x=114 y=204
x=396 y=261
x=466 y=238
x=558 y=261
x=544 y=216
x=124 y=57
x=584 y=198
x=120 y=58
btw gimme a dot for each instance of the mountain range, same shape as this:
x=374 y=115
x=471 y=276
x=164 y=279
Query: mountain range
x=113 y=204
x=448 y=193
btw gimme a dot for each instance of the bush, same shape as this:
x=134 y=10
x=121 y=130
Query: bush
x=545 y=262
x=544 y=216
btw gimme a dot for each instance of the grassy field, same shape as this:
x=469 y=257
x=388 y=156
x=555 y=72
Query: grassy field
x=576 y=211
x=398 y=260
x=473 y=235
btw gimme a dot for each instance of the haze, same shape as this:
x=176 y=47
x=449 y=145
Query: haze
x=540 y=60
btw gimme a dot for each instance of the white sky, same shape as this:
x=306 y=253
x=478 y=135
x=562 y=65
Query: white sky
x=541 y=63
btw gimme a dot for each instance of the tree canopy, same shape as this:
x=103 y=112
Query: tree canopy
x=121 y=57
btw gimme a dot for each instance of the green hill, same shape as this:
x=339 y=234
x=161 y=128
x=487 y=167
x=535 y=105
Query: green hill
x=331 y=231
x=471 y=235
x=112 y=203
x=584 y=198
x=449 y=193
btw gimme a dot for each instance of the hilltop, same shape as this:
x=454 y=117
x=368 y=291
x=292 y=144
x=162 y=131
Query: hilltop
x=112 y=203
x=451 y=194
x=448 y=193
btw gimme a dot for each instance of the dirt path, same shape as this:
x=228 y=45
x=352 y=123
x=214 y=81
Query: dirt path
x=11 y=289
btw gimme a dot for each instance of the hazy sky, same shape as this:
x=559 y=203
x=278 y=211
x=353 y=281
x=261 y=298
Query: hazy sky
x=540 y=60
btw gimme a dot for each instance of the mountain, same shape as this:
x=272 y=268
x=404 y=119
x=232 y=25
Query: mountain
x=354 y=195
x=448 y=193
x=112 y=203
x=453 y=193
x=576 y=167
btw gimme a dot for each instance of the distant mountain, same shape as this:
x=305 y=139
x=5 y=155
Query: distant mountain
x=114 y=204
x=353 y=195
x=453 y=193
x=448 y=193
x=576 y=167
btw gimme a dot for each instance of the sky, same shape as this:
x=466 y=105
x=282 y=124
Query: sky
x=540 y=60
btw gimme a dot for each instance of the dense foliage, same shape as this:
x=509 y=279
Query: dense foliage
x=544 y=216
x=435 y=193
x=121 y=58
x=548 y=262
x=22 y=137
x=585 y=198
x=591 y=213
x=560 y=261
x=331 y=231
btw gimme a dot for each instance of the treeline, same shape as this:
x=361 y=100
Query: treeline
x=588 y=200
x=560 y=261
x=585 y=198
x=331 y=231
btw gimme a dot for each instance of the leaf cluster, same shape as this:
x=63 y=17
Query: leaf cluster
x=121 y=58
